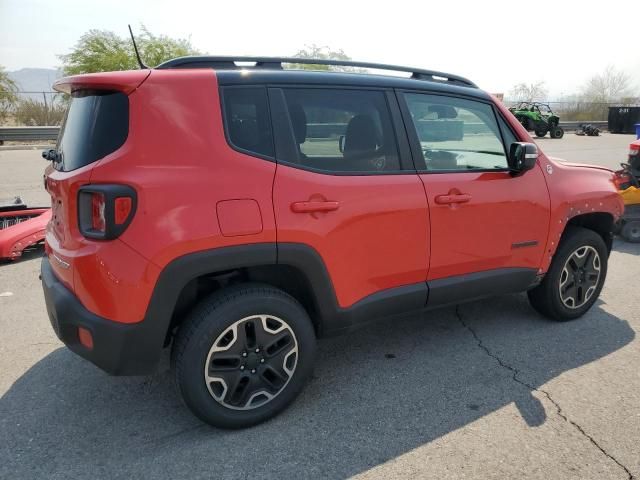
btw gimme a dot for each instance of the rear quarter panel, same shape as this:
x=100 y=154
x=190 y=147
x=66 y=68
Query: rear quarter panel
x=181 y=167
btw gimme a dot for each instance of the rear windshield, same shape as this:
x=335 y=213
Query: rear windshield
x=96 y=124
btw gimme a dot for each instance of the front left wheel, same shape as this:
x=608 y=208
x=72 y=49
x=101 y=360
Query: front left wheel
x=243 y=355
x=575 y=278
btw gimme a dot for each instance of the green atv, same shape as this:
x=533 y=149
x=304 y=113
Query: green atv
x=539 y=118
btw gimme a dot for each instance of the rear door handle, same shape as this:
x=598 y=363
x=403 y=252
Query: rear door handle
x=453 y=198
x=314 y=206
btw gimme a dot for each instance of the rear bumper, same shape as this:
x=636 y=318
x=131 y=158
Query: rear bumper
x=118 y=349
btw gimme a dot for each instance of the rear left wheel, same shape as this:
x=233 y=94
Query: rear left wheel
x=541 y=133
x=243 y=355
x=557 y=132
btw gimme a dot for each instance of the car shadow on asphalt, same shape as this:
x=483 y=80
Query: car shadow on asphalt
x=376 y=394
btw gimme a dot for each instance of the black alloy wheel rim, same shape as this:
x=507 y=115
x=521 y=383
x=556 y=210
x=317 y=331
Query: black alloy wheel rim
x=251 y=362
x=580 y=277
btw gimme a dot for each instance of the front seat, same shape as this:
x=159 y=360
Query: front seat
x=361 y=138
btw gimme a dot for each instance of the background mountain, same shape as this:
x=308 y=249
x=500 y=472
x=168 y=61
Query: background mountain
x=35 y=80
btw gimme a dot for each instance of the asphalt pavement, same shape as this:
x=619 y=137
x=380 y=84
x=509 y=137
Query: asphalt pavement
x=484 y=390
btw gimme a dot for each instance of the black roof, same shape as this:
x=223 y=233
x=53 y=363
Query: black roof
x=269 y=70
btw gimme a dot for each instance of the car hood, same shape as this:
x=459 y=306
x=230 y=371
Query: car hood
x=580 y=165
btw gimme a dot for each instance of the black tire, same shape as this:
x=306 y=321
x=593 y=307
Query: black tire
x=546 y=297
x=557 y=132
x=631 y=231
x=541 y=133
x=193 y=354
x=617 y=227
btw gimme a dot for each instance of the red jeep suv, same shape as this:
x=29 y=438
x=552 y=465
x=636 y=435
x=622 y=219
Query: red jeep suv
x=237 y=211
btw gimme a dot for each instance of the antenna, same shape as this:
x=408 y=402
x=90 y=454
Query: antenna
x=135 y=47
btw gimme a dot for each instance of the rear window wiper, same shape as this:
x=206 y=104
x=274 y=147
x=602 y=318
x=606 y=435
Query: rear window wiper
x=52 y=155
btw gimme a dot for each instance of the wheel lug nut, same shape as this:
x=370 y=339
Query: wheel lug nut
x=241 y=367
x=253 y=371
x=262 y=360
x=257 y=350
x=244 y=354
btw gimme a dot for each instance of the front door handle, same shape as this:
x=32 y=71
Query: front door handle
x=314 y=206
x=453 y=198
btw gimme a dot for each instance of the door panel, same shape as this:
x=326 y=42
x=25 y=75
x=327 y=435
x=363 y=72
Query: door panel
x=373 y=237
x=342 y=187
x=503 y=223
x=482 y=217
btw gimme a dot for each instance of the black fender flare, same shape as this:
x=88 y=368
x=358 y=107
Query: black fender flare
x=332 y=320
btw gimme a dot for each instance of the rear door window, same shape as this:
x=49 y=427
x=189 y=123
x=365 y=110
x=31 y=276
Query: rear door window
x=96 y=124
x=340 y=130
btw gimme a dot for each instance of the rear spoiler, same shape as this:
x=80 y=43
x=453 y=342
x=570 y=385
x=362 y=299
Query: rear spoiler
x=126 y=81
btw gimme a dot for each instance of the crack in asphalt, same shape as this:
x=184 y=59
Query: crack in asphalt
x=559 y=410
x=158 y=441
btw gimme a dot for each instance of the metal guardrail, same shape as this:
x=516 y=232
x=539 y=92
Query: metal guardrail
x=315 y=130
x=28 y=133
x=328 y=130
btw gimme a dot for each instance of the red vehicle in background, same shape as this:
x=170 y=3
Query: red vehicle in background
x=21 y=227
x=236 y=214
x=634 y=159
x=628 y=183
x=629 y=174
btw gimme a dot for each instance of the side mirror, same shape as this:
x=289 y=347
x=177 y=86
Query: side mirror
x=522 y=157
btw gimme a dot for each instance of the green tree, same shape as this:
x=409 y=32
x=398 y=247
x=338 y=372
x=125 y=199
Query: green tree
x=104 y=51
x=322 y=53
x=8 y=97
x=529 y=92
x=609 y=86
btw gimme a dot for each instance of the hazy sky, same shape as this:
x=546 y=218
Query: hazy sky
x=495 y=43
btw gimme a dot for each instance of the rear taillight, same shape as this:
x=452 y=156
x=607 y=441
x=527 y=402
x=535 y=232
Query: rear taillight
x=634 y=150
x=123 y=208
x=98 y=222
x=105 y=211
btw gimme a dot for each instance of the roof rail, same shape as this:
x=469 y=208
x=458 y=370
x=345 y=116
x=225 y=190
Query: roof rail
x=276 y=63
